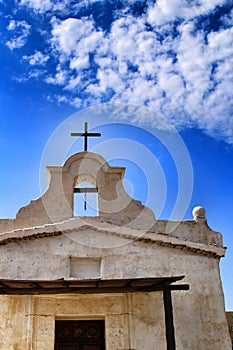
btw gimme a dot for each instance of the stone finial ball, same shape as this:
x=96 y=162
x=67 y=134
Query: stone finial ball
x=199 y=213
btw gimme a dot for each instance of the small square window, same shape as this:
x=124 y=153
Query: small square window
x=85 y=267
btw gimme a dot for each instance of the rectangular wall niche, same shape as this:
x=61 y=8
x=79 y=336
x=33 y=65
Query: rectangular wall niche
x=85 y=267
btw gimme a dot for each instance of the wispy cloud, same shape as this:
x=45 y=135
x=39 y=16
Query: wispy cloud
x=172 y=56
x=38 y=5
x=38 y=58
x=19 y=32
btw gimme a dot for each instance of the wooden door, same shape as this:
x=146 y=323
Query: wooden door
x=79 y=335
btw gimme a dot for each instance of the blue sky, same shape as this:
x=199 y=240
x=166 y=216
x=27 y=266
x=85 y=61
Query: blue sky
x=173 y=57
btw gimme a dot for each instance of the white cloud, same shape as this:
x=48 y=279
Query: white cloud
x=68 y=33
x=73 y=82
x=90 y=42
x=80 y=62
x=37 y=5
x=38 y=58
x=206 y=69
x=164 y=11
x=74 y=40
x=228 y=18
x=110 y=79
x=19 y=32
x=60 y=77
x=221 y=44
x=194 y=63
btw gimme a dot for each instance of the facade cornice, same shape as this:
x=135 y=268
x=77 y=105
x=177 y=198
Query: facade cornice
x=80 y=224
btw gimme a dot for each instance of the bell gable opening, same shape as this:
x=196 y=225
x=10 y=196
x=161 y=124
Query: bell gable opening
x=85 y=201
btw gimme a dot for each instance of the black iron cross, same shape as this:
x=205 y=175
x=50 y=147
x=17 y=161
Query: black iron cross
x=86 y=134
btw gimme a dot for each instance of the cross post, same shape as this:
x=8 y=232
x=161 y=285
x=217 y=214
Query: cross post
x=86 y=134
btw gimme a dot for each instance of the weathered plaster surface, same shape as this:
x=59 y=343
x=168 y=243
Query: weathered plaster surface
x=16 y=322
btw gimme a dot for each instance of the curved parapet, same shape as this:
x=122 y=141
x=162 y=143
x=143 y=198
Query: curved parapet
x=57 y=203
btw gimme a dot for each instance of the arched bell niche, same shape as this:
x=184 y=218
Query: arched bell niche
x=85 y=198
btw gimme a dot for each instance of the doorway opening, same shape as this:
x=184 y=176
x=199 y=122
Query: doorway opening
x=79 y=335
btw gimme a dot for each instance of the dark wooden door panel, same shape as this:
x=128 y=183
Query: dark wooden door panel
x=79 y=335
x=66 y=347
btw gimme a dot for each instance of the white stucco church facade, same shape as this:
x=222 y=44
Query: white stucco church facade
x=117 y=281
